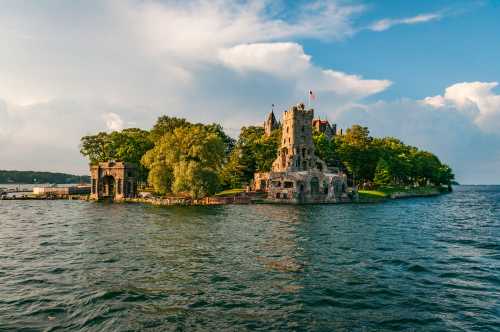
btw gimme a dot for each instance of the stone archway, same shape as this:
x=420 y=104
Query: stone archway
x=314 y=186
x=109 y=186
x=301 y=191
x=116 y=180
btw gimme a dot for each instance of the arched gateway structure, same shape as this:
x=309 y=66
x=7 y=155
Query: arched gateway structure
x=113 y=180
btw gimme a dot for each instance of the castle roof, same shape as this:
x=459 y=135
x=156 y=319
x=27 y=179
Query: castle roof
x=321 y=122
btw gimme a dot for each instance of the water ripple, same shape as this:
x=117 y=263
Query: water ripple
x=411 y=265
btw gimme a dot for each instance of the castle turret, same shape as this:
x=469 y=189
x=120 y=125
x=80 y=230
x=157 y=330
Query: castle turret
x=270 y=124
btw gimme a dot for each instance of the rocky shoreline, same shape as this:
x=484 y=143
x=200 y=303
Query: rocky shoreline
x=243 y=198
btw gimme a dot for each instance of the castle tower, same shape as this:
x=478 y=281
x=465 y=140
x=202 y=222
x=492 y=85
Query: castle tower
x=270 y=124
x=296 y=152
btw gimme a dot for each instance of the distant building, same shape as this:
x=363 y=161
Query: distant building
x=298 y=175
x=61 y=191
x=113 y=180
x=270 y=124
x=323 y=126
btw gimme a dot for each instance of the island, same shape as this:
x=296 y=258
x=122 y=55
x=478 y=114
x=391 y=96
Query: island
x=300 y=159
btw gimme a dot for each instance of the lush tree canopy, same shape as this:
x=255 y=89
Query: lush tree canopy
x=388 y=161
x=177 y=156
x=254 y=152
x=187 y=160
x=127 y=145
x=166 y=125
x=327 y=150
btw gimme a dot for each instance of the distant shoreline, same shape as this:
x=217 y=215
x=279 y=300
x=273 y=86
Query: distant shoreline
x=13 y=177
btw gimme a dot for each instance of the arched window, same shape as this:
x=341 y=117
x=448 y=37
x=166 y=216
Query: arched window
x=314 y=186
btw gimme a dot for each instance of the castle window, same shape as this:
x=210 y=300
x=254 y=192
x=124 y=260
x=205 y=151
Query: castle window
x=303 y=128
x=288 y=139
x=288 y=184
x=287 y=130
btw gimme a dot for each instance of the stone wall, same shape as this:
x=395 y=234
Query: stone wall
x=296 y=151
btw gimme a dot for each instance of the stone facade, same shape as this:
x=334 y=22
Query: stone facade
x=270 y=124
x=298 y=175
x=296 y=152
x=113 y=180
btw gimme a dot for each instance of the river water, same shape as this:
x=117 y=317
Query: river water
x=425 y=264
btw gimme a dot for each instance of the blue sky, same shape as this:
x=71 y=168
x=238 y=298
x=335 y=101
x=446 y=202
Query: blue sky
x=424 y=71
x=420 y=59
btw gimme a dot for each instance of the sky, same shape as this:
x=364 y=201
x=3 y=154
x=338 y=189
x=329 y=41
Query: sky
x=426 y=72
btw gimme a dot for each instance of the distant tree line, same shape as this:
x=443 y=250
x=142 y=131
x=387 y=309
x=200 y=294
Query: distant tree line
x=32 y=177
x=180 y=157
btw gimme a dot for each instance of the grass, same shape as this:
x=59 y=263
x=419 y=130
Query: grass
x=386 y=192
x=376 y=194
x=230 y=192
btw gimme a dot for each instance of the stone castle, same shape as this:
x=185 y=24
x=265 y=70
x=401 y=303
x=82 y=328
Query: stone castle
x=297 y=174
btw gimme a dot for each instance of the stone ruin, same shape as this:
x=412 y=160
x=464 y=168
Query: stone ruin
x=297 y=174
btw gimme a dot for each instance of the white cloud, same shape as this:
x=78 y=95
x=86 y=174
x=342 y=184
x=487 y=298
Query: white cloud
x=113 y=121
x=476 y=99
x=289 y=61
x=282 y=59
x=197 y=29
x=74 y=68
x=388 y=23
x=354 y=85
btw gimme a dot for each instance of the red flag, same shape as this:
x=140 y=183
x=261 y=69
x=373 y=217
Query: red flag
x=311 y=95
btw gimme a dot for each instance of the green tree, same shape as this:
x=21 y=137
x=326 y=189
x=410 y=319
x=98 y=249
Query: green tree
x=194 y=178
x=446 y=175
x=383 y=175
x=165 y=125
x=96 y=147
x=128 y=145
x=358 y=153
x=187 y=160
x=325 y=149
x=253 y=152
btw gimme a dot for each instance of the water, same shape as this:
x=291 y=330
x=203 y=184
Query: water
x=427 y=264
